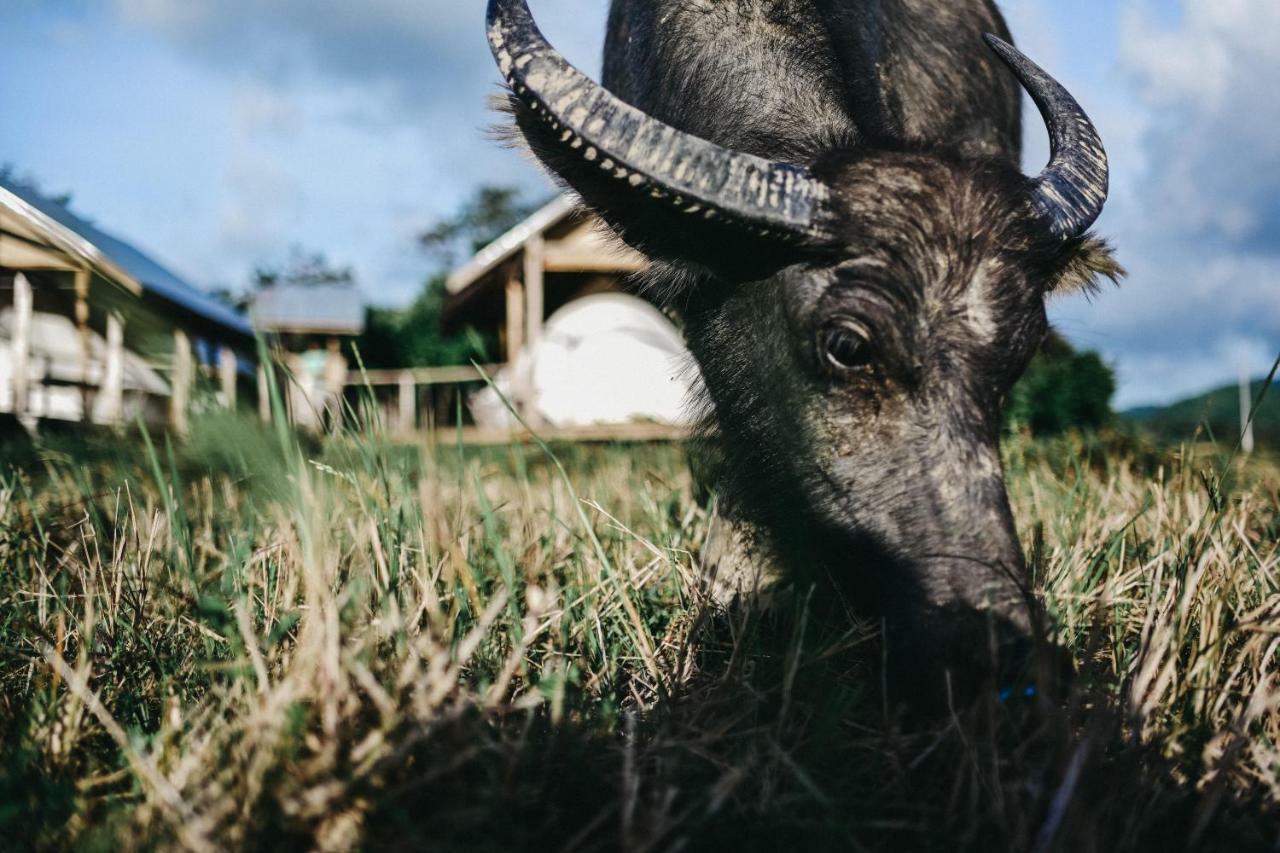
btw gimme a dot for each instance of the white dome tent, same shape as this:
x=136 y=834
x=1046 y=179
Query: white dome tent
x=608 y=358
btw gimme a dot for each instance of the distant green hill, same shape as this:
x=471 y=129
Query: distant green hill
x=1216 y=413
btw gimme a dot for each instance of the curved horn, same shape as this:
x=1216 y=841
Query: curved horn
x=687 y=173
x=1072 y=189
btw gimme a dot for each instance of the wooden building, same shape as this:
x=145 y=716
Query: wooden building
x=578 y=353
x=308 y=325
x=92 y=329
x=554 y=257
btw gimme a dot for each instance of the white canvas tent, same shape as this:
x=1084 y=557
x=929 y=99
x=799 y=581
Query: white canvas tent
x=608 y=358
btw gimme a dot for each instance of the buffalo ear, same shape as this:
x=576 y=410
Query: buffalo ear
x=1086 y=262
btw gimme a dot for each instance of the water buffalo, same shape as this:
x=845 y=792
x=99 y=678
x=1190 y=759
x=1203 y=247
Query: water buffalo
x=830 y=192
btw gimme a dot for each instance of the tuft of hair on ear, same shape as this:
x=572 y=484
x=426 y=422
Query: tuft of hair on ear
x=506 y=130
x=518 y=129
x=669 y=284
x=1087 y=261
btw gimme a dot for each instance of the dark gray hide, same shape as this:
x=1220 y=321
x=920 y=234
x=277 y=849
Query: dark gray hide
x=830 y=191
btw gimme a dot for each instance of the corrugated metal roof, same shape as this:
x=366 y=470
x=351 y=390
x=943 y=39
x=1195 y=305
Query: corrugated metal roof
x=320 y=308
x=154 y=278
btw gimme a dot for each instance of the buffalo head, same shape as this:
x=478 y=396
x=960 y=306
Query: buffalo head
x=859 y=321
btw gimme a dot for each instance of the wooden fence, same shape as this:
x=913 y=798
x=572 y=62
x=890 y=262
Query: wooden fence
x=419 y=403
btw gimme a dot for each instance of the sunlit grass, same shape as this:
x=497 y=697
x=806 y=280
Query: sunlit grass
x=252 y=642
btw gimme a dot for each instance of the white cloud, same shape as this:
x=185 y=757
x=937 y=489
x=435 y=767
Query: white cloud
x=171 y=15
x=261 y=203
x=354 y=124
x=1203 y=58
x=1211 y=83
x=350 y=125
x=261 y=110
x=1196 y=207
x=1186 y=373
x=432 y=53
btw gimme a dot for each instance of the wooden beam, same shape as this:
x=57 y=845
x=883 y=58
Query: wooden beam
x=421 y=375
x=408 y=403
x=227 y=374
x=535 y=260
x=112 y=411
x=21 y=344
x=576 y=259
x=335 y=385
x=603 y=433
x=1247 y=440
x=82 y=278
x=515 y=318
x=180 y=383
x=18 y=251
x=264 y=392
x=535 y=252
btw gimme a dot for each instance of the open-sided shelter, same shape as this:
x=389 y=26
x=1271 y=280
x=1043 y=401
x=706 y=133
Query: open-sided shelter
x=93 y=329
x=578 y=351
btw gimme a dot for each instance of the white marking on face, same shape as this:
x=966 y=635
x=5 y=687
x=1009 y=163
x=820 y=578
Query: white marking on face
x=865 y=263
x=978 y=308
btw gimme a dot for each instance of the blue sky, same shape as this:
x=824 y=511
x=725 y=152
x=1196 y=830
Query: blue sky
x=220 y=133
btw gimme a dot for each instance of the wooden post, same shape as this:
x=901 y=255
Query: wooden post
x=1247 y=443
x=264 y=392
x=408 y=403
x=180 y=381
x=335 y=385
x=535 y=254
x=535 y=259
x=113 y=372
x=227 y=369
x=21 y=343
x=82 y=325
x=515 y=319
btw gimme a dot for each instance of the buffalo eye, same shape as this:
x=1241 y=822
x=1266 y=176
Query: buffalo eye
x=846 y=346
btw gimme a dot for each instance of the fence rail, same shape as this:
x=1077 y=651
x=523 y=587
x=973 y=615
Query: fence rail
x=636 y=433
x=421 y=376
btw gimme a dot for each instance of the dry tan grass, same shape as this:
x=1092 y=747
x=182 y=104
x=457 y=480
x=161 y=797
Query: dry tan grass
x=369 y=646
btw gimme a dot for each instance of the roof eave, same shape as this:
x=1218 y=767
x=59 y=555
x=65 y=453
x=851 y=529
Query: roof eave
x=296 y=329
x=70 y=242
x=499 y=251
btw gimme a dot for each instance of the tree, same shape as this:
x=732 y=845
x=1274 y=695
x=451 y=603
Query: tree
x=9 y=175
x=1062 y=389
x=414 y=336
x=483 y=218
x=303 y=268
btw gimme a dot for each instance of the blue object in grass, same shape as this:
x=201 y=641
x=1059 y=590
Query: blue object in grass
x=1007 y=694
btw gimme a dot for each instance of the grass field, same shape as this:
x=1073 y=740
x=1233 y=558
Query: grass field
x=245 y=643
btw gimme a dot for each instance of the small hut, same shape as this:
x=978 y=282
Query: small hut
x=92 y=329
x=310 y=322
x=578 y=350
